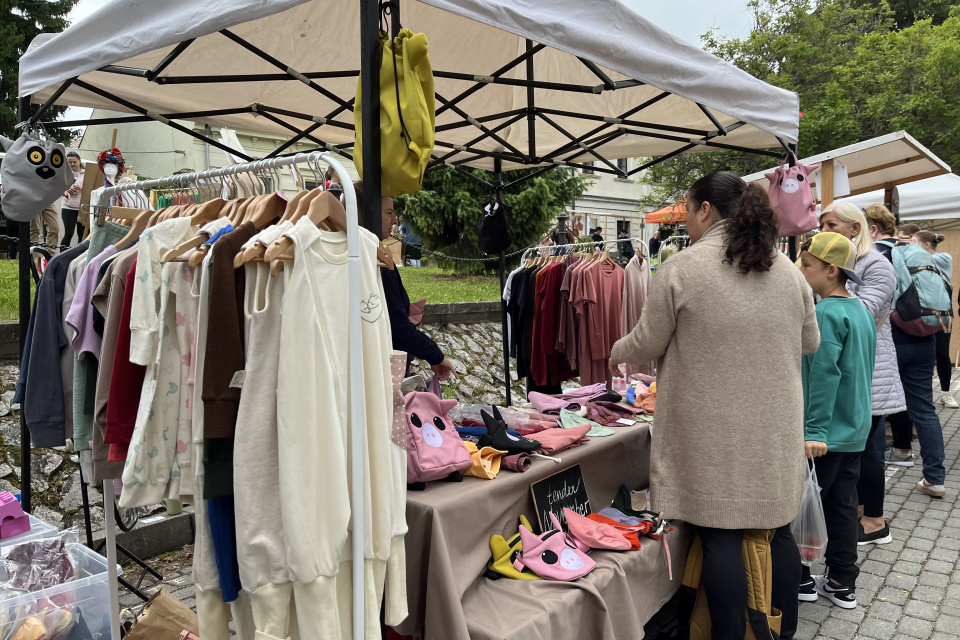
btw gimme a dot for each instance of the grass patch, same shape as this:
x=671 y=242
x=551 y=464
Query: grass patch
x=437 y=285
x=10 y=290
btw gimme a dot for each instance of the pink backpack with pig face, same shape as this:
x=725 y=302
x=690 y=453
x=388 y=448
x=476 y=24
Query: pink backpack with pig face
x=554 y=555
x=792 y=198
x=434 y=448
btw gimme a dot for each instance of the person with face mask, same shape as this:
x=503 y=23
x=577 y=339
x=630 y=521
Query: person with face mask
x=70 y=213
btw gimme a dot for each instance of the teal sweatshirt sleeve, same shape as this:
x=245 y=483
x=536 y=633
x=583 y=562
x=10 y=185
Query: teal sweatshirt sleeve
x=821 y=376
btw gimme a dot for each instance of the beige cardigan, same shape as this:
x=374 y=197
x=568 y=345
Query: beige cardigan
x=728 y=434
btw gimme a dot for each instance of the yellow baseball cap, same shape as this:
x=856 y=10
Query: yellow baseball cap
x=834 y=249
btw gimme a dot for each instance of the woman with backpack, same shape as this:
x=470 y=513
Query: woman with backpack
x=876 y=294
x=944 y=261
x=916 y=357
x=728 y=454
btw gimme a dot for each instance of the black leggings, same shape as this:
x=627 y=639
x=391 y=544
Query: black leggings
x=71 y=221
x=725 y=581
x=902 y=429
x=944 y=366
x=871 y=486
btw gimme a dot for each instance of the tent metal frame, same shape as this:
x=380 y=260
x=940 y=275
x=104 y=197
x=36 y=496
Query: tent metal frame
x=311 y=127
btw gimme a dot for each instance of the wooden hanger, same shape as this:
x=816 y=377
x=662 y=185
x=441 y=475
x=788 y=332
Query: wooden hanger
x=304 y=205
x=325 y=208
x=208 y=212
x=292 y=204
x=139 y=225
x=268 y=211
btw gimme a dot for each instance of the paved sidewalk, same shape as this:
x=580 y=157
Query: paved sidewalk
x=909 y=588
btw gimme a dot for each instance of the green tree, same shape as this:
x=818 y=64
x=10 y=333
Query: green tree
x=906 y=12
x=21 y=22
x=446 y=211
x=858 y=76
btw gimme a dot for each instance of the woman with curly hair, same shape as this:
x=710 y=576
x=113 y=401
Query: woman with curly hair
x=728 y=321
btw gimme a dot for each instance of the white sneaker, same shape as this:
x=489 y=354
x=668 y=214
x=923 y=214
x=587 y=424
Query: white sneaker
x=947 y=400
x=932 y=490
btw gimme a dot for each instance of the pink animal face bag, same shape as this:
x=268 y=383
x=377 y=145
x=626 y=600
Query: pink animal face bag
x=792 y=198
x=434 y=449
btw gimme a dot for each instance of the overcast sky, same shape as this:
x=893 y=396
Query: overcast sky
x=686 y=19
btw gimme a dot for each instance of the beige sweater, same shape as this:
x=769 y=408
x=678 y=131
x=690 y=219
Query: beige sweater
x=728 y=435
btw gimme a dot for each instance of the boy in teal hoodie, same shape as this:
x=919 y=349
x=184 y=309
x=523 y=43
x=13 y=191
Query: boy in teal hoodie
x=837 y=409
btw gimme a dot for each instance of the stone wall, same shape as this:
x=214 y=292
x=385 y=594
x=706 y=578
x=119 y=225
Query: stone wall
x=54 y=473
x=475 y=350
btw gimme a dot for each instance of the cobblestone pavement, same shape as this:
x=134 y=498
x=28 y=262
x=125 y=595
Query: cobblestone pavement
x=908 y=589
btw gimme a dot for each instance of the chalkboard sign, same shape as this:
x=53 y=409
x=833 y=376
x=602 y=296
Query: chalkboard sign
x=562 y=489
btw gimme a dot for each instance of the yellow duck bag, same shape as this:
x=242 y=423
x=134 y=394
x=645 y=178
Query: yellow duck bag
x=407 y=114
x=503 y=551
x=763 y=621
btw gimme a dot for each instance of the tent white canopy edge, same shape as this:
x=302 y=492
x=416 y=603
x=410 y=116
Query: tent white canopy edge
x=708 y=95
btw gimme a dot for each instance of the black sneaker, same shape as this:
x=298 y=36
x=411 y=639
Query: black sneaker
x=808 y=591
x=883 y=536
x=843 y=597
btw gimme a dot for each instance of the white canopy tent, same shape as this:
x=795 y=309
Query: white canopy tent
x=933 y=199
x=528 y=82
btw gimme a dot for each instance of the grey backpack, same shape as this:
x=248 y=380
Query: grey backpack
x=34 y=174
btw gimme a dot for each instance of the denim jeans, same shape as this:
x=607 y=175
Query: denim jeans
x=915 y=359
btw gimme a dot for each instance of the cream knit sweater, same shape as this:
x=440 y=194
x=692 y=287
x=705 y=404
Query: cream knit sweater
x=728 y=442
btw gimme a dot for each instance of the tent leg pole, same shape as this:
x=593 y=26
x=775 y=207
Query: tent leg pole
x=24 y=257
x=372 y=220
x=498 y=197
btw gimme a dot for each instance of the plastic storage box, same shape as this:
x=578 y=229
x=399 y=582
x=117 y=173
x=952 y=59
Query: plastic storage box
x=89 y=593
x=38 y=529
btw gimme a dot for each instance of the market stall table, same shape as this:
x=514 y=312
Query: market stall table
x=447 y=545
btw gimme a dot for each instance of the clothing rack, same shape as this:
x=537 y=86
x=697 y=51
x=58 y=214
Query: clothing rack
x=355 y=385
x=594 y=243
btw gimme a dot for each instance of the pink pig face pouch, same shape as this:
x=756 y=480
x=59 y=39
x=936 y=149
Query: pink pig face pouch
x=434 y=449
x=552 y=556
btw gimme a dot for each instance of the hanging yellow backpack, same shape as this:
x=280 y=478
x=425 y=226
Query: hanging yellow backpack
x=407 y=114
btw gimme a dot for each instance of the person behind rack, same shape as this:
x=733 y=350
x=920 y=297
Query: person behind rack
x=406 y=336
x=596 y=237
x=655 y=244
x=70 y=213
x=626 y=247
x=729 y=320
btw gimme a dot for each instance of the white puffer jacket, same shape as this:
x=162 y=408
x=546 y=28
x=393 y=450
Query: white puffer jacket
x=876 y=294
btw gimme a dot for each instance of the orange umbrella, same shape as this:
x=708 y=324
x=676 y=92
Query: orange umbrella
x=675 y=213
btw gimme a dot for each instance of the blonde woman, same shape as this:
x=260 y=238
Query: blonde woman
x=876 y=294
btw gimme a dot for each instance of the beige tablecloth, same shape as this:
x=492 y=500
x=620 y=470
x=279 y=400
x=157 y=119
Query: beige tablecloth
x=447 y=547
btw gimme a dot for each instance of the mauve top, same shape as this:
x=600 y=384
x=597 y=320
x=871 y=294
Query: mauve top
x=80 y=317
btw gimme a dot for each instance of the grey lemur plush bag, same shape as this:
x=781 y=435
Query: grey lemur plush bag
x=34 y=174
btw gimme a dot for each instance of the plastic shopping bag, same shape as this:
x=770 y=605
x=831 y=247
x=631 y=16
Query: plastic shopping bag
x=810 y=527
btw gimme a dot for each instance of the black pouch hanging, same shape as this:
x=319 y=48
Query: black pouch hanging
x=492 y=229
